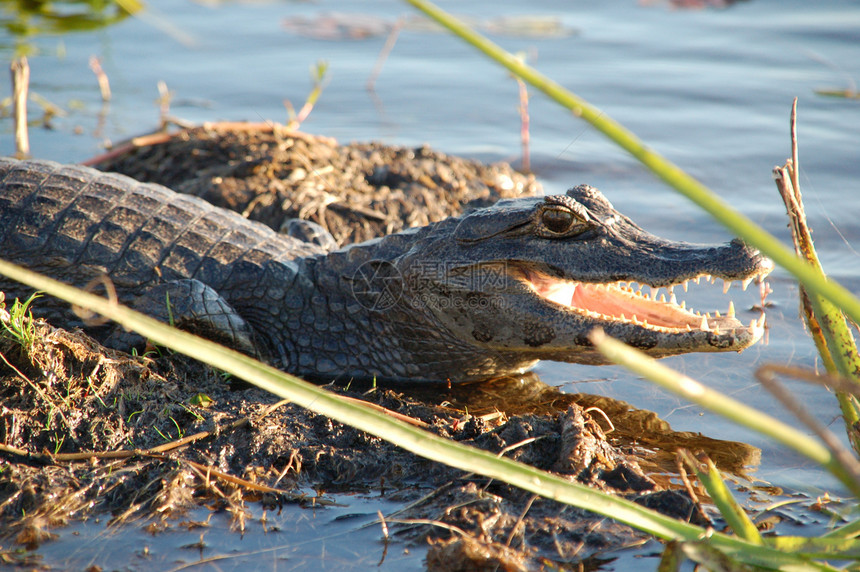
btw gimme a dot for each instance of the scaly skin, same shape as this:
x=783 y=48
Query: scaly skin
x=485 y=294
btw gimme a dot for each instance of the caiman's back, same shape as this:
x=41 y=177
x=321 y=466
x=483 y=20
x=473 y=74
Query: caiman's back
x=75 y=224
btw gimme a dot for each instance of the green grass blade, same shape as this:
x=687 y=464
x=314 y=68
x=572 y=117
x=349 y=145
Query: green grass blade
x=708 y=558
x=733 y=514
x=821 y=547
x=671 y=559
x=739 y=224
x=850 y=530
x=131 y=6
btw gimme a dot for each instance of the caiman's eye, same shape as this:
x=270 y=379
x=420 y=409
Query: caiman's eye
x=556 y=222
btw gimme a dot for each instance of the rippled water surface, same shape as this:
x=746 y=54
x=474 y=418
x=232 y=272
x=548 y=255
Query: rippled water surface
x=709 y=89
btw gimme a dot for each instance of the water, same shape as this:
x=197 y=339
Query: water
x=709 y=89
x=333 y=538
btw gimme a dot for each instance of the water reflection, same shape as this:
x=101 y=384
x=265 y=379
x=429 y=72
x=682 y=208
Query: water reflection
x=643 y=432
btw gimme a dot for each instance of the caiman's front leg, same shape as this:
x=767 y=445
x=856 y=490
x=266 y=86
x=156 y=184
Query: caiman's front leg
x=194 y=307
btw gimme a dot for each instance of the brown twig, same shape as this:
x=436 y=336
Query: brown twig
x=384 y=53
x=682 y=456
x=795 y=165
x=520 y=520
x=101 y=77
x=381 y=409
x=385 y=538
x=164 y=96
x=20 y=70
x=92 y=319
x=210 y=471
x=429 y=522
x=823 y=379
x=384 y=525
x=297 y=467
x=603 y=415
x=525 y=136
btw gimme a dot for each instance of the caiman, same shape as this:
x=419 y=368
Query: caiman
x=484 y=294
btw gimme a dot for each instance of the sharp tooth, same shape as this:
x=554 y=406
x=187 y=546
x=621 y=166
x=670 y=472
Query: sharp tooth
x=697 y=279
x=663 y=298
x=711 y=279
x=716 y=313
x=726 y=285
x=685 y=284
x=704 y=324
x=746 y=283
x=689 y=329
x=673 y=299
x=717 y=330
x=756 y=325
x=635 y=319
x=623 y=318
x=683 y=304
x=670 y=288
x=731 y=311
x=654 y=292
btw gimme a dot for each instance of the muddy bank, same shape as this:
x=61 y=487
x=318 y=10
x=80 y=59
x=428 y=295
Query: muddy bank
x=88 y=430
x=356 y=191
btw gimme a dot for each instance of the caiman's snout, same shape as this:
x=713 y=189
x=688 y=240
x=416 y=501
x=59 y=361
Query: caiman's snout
x=743 y=262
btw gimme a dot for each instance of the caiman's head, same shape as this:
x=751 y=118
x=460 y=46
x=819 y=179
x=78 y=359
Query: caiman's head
x=528 y=279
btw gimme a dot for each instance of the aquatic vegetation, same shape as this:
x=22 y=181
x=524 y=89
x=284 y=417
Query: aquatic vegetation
x=18 y=321
x=27 y=19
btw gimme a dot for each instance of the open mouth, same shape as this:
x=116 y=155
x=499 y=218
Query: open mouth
x=620 y=302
